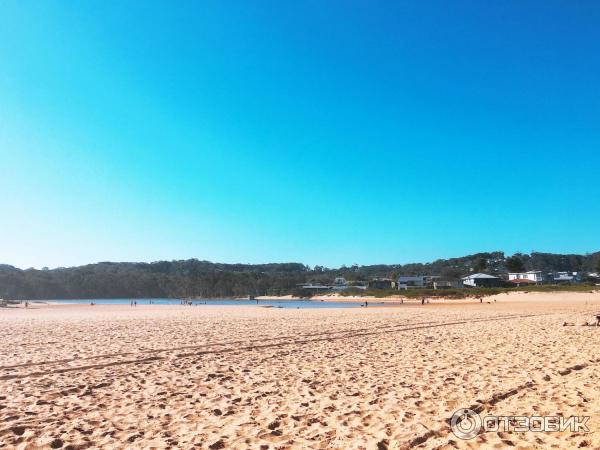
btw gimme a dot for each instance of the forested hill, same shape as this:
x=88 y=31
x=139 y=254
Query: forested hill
x=191 y=278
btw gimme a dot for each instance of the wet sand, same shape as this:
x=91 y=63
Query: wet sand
x=80 y=376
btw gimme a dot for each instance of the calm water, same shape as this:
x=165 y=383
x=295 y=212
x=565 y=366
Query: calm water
x=295 y=304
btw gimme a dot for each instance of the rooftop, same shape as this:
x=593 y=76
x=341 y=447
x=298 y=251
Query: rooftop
x=478 y=275
x=520 y=273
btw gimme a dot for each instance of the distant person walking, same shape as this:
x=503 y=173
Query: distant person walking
x=422 y=300
x=135 y=303
x=366 y=303
x=26 y=304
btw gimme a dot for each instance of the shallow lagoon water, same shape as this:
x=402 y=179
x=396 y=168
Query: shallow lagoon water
x=290 y=304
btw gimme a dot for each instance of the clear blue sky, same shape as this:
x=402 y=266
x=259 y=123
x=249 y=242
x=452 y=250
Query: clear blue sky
x=319 y=132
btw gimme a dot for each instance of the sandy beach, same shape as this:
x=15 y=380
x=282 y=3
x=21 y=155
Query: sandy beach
x=80 y=376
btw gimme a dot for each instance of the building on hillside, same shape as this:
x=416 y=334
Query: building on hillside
x=340 y=281
x=314 y=289
x=566 y=277
x=411 y=282
x=534 y=276
x=441 y=283
x=382 y=283
x=430 y=279
x=482 y=280
x=339 y=284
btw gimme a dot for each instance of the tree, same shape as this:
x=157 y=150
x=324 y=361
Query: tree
x=480 y=265
x=195 y=277
x=451 y=272
x=515 y=264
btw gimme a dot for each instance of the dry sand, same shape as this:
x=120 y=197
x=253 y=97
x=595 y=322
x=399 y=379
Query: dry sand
x=246 y=377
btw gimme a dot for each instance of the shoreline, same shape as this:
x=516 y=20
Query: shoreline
x=327 y=297
x=373 y=302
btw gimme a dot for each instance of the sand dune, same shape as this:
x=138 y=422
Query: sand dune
x=247 y=377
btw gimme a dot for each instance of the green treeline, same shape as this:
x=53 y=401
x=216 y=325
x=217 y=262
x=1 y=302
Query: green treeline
x=194 y=278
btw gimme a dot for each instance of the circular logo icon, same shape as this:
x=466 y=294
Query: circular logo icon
x=465 y=424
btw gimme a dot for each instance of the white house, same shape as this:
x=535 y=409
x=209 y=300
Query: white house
x=340 y=281
x=535 y=276
x=411 y=282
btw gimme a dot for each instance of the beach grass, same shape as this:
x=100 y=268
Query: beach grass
x=460 y=293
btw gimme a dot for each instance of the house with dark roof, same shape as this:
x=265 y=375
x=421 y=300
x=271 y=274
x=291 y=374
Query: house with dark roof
x=448 y=283
x=482 y=280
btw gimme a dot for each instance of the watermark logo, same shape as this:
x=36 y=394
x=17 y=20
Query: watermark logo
x=466 y=424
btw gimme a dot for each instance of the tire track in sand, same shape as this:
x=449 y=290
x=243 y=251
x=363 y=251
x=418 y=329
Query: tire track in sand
x=344 y=335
